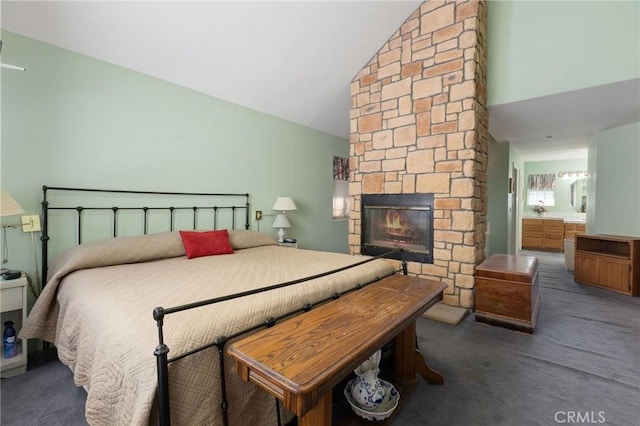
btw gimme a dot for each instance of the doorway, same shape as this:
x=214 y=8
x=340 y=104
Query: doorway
x=514 y=202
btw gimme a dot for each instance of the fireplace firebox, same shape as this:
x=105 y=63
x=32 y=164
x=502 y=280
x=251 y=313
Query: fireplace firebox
x=398 y=221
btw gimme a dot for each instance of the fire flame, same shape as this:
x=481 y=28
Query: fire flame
x=393 y=220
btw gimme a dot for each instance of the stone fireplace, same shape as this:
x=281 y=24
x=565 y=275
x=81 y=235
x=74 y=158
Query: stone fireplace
x=398 y=221
x=419 y=126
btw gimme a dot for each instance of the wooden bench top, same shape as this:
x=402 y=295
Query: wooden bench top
x=304 y=357
x=509 y=267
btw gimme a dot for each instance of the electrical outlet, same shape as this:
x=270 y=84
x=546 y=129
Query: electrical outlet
x=31 y=223
x=258 y=214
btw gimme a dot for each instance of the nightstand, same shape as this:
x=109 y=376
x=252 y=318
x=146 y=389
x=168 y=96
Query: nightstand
x=291 y=245
x=13 y=302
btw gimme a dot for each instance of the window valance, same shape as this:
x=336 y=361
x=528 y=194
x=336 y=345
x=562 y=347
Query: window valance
x=542 y=182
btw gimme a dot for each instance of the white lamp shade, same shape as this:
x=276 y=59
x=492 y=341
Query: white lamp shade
x=281 y=222
x=284 y=204
x=9 y=206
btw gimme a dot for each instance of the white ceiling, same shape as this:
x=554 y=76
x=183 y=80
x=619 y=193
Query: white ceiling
x=294 y=60
x=559 y=127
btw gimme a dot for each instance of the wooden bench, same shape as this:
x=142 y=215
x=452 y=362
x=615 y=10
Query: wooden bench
x=300 y=360
x=507 y=292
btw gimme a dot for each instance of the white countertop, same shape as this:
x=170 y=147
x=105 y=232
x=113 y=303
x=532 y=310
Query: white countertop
x=573 y=220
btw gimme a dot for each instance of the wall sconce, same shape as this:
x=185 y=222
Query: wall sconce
x=31 y=223
x=283 y=204
x=8 y=207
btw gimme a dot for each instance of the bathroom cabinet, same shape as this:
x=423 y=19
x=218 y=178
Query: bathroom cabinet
x=543 y=234
x=571 y=229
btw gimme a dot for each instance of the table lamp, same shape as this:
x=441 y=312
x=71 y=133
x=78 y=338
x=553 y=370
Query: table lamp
x=281 y=222
x=283 y=204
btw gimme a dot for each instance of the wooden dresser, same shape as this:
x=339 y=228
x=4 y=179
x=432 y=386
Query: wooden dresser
x=608 y=261
x=543 y=234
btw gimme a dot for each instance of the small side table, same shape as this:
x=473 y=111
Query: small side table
x=13 y=303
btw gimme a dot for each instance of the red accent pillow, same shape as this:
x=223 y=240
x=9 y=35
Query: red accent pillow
x=207 y=243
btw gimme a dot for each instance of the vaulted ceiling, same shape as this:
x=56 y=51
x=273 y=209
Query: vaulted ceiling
x=294 y=60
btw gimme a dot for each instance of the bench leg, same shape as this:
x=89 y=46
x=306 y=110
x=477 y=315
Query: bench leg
x=431 y=376
x=404 y=356
x=409 y=361
x=320 y=415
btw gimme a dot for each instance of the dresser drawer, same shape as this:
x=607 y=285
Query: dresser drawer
x=528 y=242
x=553 y=226
x=532 y=224
x=11 y=299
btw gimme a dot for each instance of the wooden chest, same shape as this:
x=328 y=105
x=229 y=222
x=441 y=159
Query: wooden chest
x=507 y=292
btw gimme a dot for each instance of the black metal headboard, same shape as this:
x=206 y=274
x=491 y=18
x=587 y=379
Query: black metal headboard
x=234 y=202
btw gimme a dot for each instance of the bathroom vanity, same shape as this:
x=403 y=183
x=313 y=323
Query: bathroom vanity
x=543 y=234
x=548 y=234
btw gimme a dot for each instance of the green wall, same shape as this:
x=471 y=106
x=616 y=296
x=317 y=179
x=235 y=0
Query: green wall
x=71 y=120
x=515 y=229
x=498 y=197
x=532 y=44
x=614 y=198
x=562 y=192
x=504 y=209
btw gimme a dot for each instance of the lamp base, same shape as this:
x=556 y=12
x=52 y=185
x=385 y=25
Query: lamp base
x=280 y=235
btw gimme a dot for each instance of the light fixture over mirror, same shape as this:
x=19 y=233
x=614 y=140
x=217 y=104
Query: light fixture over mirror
x=569 y=174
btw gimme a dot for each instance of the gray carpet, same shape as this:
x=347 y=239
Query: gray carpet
x=44 y=395
x=583 y=359
x=583 y=363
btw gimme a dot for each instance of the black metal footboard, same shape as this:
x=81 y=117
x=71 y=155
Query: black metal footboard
x=162 y=350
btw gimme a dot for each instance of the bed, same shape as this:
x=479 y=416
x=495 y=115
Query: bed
x=97 y=309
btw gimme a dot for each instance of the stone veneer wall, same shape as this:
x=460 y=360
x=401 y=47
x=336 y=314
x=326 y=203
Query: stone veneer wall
x=419 y=125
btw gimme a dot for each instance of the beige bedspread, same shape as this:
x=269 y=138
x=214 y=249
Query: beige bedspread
x=97 y=309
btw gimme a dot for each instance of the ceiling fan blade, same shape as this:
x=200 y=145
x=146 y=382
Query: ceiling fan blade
x=11 y=67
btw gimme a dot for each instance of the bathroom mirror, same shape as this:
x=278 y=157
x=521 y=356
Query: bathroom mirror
x=578 y=195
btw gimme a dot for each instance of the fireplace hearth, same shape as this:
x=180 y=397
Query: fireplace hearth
x=398 y=221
